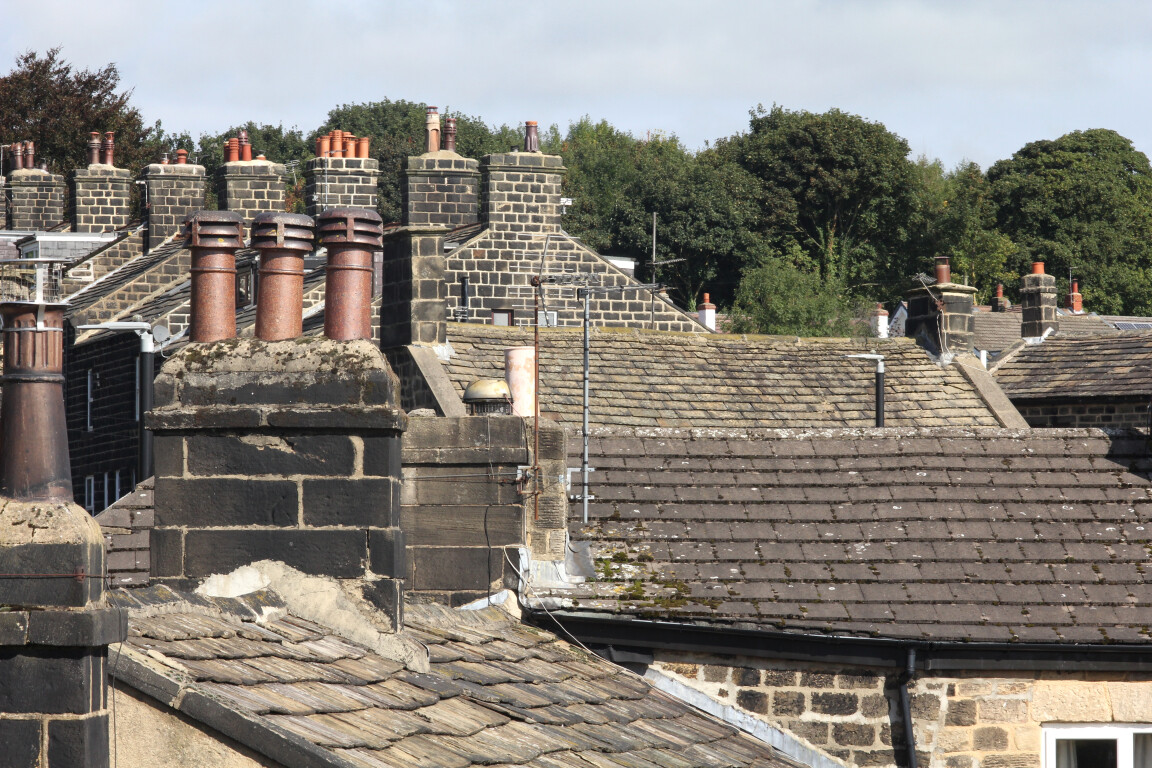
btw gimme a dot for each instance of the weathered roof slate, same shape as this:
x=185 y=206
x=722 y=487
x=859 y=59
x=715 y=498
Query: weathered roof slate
x=982 y=535
x=496 y=692
x=996 y=331
x=650 y=379
x=1119 y=365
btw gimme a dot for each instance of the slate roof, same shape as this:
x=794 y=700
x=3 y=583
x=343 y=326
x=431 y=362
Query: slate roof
x=126 y=526
x=496 y=692
x=1101 y=366
x=117 y=278
x=951 y=535
x=996 y=331
x=651 y=379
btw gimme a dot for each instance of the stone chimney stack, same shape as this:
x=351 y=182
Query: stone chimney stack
x=296 y=442
x=1038 y=302
x=342 y=175
x=1075 y=301
x=174 y=193
x=441 y=188
x=33 y=197
x=54 y=639
x=1000 y=304
x=250 y=187
x=940 y=313
x=522 y=190
x=101 y=193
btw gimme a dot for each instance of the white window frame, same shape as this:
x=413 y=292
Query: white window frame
x=91 y=395
x=1121 y=733
x=90 y=493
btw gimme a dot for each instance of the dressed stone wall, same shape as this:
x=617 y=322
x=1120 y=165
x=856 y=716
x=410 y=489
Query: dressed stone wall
x=967 y=721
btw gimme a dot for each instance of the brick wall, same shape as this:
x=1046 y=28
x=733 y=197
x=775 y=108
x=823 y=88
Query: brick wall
x=522 y=191
x=1093 y=412
x=250 y=188
x=101 y=198
x=174 y=193
x=34 y=200
x=963 y=721
x=441 y=189
x=463 y=509
x=330 y=182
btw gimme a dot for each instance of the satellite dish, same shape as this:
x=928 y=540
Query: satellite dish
x=161 y=333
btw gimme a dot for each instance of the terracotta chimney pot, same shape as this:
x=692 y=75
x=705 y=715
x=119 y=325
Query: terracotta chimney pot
x=214 y=237
x=94 y=147
x=350 y=235
x=1037 y=267
x=283 y=240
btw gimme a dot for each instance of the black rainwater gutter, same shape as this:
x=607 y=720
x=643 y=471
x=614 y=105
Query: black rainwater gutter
x=938 y=657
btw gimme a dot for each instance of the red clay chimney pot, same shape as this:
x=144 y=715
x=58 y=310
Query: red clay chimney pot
x=282 y=239
x=214 y=237
x=1037 y=267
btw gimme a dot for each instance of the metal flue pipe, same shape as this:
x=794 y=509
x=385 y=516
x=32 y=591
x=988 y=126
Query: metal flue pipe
x=350 y=235
x=33 y=432
x=879 y=384
x=214 y=237
x=283 y=239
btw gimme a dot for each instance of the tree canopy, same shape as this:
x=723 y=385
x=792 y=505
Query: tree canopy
x=46 y=100
x=1082 y=202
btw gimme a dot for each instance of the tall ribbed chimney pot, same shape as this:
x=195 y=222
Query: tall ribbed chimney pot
x=450 y=134
x=531 y=137
x=214 y=237
x=350 y=235
x=283 y=239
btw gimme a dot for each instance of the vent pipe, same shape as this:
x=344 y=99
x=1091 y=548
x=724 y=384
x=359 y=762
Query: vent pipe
x=108 y=154
x=282 y=239
x=879 y=360
x=531 y=137
x=34 y=460
x=214 y=237
x=17 y=152
x=29 y=154
x=350 y=235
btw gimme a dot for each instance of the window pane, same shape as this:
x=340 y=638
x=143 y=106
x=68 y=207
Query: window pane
x=1142 y=750
x=1085 y=753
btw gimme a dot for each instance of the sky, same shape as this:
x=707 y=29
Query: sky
x=959 y=80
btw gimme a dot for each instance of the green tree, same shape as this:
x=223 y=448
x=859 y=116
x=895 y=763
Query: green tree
x=955 y=217
x=45 y=100
x=778 y=297
x=1082 y=202
x=839 y=186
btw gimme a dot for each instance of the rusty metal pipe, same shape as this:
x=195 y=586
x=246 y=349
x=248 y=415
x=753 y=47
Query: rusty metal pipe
x=350 y=235
x=450 y=134
x=283 y=239
x=94 y=147
x=214 y=237
x=17 y=152
x=943 y=270
x=34 y=459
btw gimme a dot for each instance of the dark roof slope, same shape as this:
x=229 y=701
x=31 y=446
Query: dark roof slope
x=996 y=331
x=951 y=535
x=650 y=379
x=496 y=693
x=1095 y=366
